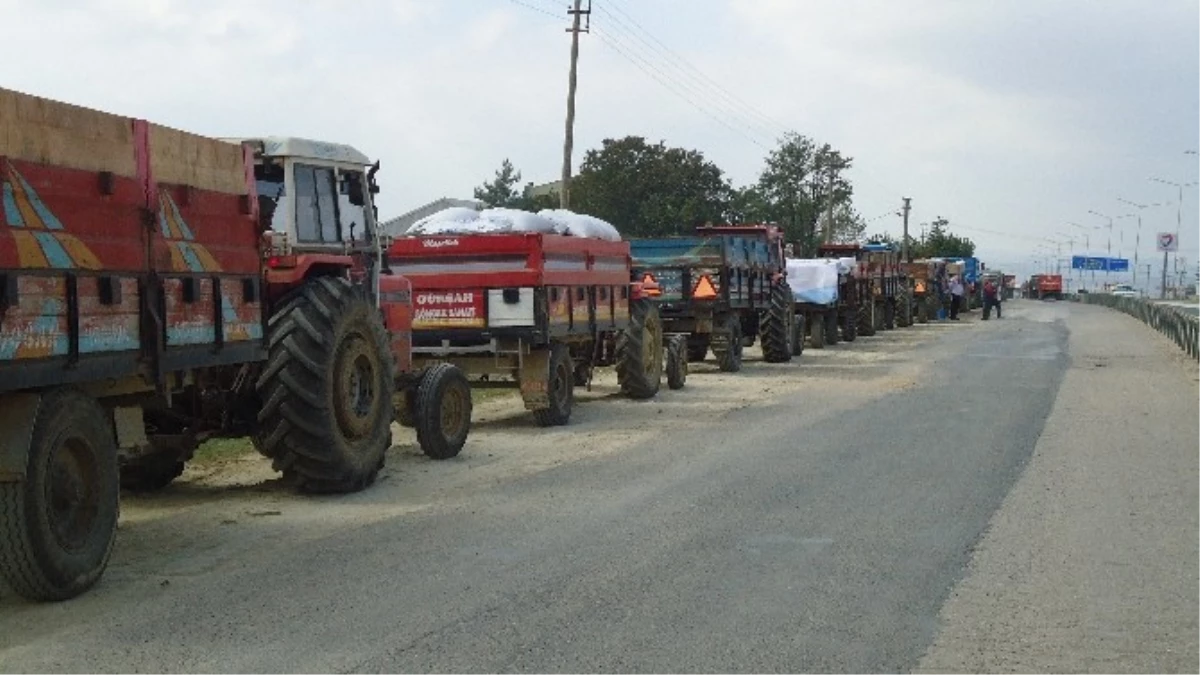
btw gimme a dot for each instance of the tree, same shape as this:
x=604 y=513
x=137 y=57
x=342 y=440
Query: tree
x=800 y=182
x=941 y=243
x=501 y=191
x=650 y=189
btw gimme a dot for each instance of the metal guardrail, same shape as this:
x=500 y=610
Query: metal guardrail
x=1181 y=326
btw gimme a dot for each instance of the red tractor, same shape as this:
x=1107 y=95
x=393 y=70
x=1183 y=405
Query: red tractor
x=159 y=288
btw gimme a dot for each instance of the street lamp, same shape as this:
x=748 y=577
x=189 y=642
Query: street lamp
x=1138 y=241
x=1178 y=224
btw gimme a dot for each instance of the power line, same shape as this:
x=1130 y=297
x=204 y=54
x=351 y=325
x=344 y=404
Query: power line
x=535 y=8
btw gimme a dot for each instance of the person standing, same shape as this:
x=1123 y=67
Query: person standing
x=956 y=296
x=991 y=298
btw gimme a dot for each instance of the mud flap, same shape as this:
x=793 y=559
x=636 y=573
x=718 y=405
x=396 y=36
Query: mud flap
x=535 y=379
x=17 y=414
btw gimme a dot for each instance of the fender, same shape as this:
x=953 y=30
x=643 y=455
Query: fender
x=17 y=415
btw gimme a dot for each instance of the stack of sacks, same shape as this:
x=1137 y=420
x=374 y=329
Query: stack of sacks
x=814 y=281
x=460 y=220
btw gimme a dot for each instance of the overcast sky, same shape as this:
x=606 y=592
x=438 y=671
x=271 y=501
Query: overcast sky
x=1008 y=118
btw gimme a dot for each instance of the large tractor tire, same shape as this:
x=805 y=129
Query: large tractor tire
x=640 y=352
x=442 y=413
x=889 y=314
x=798 y=335
x=905 y=317
x=866 y=319
x=923 y=310
x=850 y=328
x=560 y=388
x=697 y=347
x=677 y=362
x=776 y=325
x=817 y=333
x=832 y=335
x=57 y=526
x=729 y=352
x=327 y=389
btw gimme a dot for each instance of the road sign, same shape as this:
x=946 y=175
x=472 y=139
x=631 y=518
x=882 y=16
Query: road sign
x=1167 y=242
x=1118 y=264
x=1083 y=262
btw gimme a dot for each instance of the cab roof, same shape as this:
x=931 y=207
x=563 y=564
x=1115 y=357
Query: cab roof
x=303 y=148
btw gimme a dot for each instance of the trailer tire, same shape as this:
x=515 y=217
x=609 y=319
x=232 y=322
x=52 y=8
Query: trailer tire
x=832 y=335
x=677 y=362
x=906 y=311
x=443 y=411
x=640 y=352
x=816 y=332
x=923 y=310
x=866 y=319
x=327 y=389
x=776 y=324
x=889 y=314
x=798 y=335
x=560 y=388
x=729 y=356
x=57 y=526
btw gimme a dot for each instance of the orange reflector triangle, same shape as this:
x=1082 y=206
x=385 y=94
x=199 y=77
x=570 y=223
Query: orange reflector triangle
x=704 y=289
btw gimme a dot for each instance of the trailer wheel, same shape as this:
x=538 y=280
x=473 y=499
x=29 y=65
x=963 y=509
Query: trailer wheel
x=866 y=319
x=798 y=335
x=816 y=332
x=729 y=352
x=850 y=328
x=905 y=319
x=58 y=525
x=327 y=389
x=776 y=324
x=923 y=310
x=443 y=411
x=889 y=314
x=640 y=352
x=560 y=388
x=697 y=347
x=677 y=362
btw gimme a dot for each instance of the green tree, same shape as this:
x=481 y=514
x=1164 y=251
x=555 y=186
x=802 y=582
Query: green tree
x=502 y=190
x=940 y=242
x=649 y=189
x=800 y=182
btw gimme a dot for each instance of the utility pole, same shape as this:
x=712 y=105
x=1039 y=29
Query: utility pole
x=564 y=196
x=905 y=253
x=829 y=209
x=1163 y=290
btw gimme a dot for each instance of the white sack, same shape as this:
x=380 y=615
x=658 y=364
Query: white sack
x=813 y=280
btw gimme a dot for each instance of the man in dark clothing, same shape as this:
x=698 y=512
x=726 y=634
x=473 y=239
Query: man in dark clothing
x=991 y=298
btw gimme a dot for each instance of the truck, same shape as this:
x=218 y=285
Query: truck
x=925 y=278
x=160 y=288
x=1046 y=287
x=721 y=289
x=536 y=311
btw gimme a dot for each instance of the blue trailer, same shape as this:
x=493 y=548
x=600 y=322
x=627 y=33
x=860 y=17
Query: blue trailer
x=723 y=288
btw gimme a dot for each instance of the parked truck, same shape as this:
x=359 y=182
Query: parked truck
x=722 y=288
x=538 y=311
x=925 y=277
x=889 y=287
x=159 y=288
x=1046 y=287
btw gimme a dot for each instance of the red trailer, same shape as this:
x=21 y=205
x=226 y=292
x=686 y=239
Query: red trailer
x=1046 y=286
x=539 y=311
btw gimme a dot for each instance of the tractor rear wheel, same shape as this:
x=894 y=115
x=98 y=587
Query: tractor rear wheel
x=889 y=314
x=905 y=319
x=327 y=388
x=57 y=526
x=776 y=324
x=729 y=350
x=832 y=335
x=443 y=411
x=850 y=328
x=640 y=352
x=866 y=318
x=677 y=362
x=816 y=332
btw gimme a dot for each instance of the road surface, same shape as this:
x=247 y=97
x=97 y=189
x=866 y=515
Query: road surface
x=1005 y=495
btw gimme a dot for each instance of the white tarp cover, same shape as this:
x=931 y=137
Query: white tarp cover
x=813 y=280
x=581 y=225
x=461 y=220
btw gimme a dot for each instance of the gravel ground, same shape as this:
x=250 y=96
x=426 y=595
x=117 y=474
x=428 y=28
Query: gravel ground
x=1091 y=563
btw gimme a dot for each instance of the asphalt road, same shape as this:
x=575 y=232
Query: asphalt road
x=820 y=529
